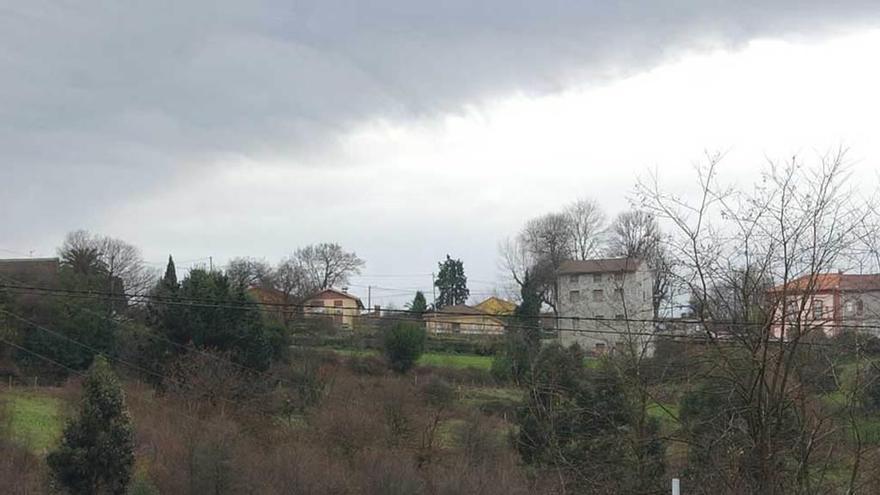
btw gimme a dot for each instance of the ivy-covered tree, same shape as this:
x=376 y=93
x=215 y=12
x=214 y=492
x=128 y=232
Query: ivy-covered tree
x=96 y=454
x=451 y=283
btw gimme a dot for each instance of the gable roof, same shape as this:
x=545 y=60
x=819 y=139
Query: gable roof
x=826 y=282
x=496 y=306
x=331 y=292
x=605 y=265
x=265 y=295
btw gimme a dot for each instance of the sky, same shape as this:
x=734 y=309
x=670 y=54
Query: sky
x=403 y=130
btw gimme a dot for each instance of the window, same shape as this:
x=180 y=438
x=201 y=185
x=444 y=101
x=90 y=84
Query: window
x=818 y=309
x=849 y=307
x=598 y=295
x=792 y=310
x=573 y=279
x=573 y=296
x=618 y=294
x=599 y=349
x=456 y=328
x=860 y=307
x=597 y=278
x=337 y=303
x=618 y=317
x=618 y=277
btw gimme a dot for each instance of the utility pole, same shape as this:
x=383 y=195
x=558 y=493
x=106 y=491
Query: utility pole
x=210 y=263
x=369 y=298
x=433 y=291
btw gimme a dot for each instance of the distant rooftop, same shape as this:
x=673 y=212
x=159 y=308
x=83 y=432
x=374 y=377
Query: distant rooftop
x=604 y=265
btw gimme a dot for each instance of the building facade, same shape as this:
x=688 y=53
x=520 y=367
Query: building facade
x=605 y=305
x=462 y=319
x=338 y=305
x=830 y=302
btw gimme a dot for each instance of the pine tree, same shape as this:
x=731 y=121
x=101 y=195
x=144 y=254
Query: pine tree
x=96 y=454
x=452 y=283
x=170 y=278
x=419 y=305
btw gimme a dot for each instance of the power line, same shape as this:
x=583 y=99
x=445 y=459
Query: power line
x=122 y=296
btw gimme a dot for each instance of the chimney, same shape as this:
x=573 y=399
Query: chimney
x=345 y=290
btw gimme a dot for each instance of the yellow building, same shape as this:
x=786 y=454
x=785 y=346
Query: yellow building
x=463 y=319
x=496 y=306
x=341 y=306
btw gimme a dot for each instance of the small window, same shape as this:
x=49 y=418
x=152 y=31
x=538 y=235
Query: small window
x=599 y=349
x=818 y=309
x=573 y=296
x=849 y=307
x=573 y=279
x=792 y=310
x=598 y=295
x=337 y=303
x=599 y=317
x=618 y=277
x=597 y=278
x=456 y=328
x=860 y=307
x=618 y=317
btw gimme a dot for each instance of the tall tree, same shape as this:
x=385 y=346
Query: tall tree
x=451 y=283
x=419 y=304
x=636 y=234
x=327 y=264
x=169 y=280
x=249 y=272
x=96 y=455
x=112 y=259
x=586 y=228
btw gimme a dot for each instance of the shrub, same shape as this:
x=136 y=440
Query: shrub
x=96 y=455
x=403 y=344
x=438 y=393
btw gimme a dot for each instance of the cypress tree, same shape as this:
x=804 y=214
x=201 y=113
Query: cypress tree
x=170 y=278
x=96 y=454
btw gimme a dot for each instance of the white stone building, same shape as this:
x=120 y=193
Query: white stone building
x=604 y=305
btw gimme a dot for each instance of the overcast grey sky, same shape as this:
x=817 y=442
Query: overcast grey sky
x=401 y=129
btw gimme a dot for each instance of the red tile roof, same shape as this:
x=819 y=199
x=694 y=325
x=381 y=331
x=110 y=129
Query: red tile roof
x=827 y=282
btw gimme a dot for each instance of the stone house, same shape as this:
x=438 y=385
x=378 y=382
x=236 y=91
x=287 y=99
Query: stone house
x=604 y=304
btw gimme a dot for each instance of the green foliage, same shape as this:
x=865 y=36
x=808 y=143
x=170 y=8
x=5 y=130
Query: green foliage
x=523 y=339
x=580 y=422
x=870 y=392
x=207 y=312
x=419 y=305
x=170 y=278
x=96 y=454
x=451 y=283
x=403 y=344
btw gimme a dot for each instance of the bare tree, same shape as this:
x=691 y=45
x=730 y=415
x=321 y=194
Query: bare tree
x=769 y=434
x=636 y=234
x=249 y=272
x=114 y=259
x=290 y=279
x=586 y=228
x=327 y=264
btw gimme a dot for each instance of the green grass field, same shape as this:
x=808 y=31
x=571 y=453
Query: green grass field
x=439 y=359
x=32 y=419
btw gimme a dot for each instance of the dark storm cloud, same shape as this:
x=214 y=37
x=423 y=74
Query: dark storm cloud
x=102 y=100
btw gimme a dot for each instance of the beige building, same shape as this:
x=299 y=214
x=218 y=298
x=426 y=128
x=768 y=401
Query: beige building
x=339 y=305
x=462 y=319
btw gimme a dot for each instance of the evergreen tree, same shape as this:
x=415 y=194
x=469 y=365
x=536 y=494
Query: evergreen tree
x=523 y=339
x=96 y=454
x=452 y=283
x=419 y=305
x=170 y=278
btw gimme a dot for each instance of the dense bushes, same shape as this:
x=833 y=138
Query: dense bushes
x=403 y=344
